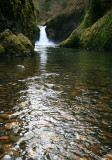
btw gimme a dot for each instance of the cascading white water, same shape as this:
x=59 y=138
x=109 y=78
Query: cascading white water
x=44 y=41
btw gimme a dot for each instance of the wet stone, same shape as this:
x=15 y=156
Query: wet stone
x=24 y=104
x=11 y=125
x=15 y=120
x=7 y=157
x=1 y=120
x=4 y=137
x=107 y=157
x=5 y=116
x=7 y=148
x=1 y=156
x=14 y=138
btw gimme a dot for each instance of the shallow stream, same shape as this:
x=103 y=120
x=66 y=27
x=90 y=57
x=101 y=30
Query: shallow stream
x=56 y=105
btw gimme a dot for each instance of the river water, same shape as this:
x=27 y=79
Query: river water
x=56 y=105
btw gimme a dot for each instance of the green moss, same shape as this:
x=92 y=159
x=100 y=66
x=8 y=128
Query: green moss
x=92 y=35
x=25 y=42
x=100 y=34
x=15 y=45
x=19 y=16
x=61 y=26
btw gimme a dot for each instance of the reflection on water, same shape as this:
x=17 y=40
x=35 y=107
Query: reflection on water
x=56 y=105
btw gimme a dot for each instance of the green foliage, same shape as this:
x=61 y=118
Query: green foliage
x=63 y=4
x=51 y=8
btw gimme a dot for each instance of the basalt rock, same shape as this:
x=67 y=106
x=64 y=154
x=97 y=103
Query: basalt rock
x=18 y=26
x=61 y=26
x=19 y=16
x=95 y=31
x=12 y=45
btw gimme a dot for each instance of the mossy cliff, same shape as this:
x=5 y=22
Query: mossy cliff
x=61 y=26
x=18 y=16
x=96 y=29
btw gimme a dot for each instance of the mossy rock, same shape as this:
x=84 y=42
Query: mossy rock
x=14 y=45
x=25 y=41
x=99 y=35
x=91 y=33
x=61 y=26
x=20 y=16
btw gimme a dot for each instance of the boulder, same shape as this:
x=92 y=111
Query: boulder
x=12 y=45
x=11 y=125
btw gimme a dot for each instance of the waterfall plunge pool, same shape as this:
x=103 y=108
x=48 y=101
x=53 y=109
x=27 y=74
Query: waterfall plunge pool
x=57 y=106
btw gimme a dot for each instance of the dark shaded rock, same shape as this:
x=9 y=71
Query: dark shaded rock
x=61 y=26
x=19 y=16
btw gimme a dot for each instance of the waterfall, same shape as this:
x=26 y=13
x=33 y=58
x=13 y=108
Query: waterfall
x=43 y=40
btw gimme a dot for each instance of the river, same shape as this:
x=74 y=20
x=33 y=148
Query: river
x=56 y=105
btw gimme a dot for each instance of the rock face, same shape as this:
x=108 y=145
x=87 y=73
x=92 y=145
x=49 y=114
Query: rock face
x=12 y=45
x=95 y=31
x=20 y=18
x=61 y=26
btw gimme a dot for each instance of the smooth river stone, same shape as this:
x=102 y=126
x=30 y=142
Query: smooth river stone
x=1 y=156
x=1 y=120
x=24 y=104
x=7 y=148
x=5 y=116
x=11 y=125
x=4 y=137
x=6 y=157
x=107 y=157
x=15 y=120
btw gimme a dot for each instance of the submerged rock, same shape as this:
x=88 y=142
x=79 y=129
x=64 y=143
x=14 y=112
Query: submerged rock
x=14 y=138
x=67 y=116
x=1 y=120
x=4 y=137
x=24 y=104
x=7 y=157
x=7 y=148
x=4 y=116
x=11 y=125
x=108 y=156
